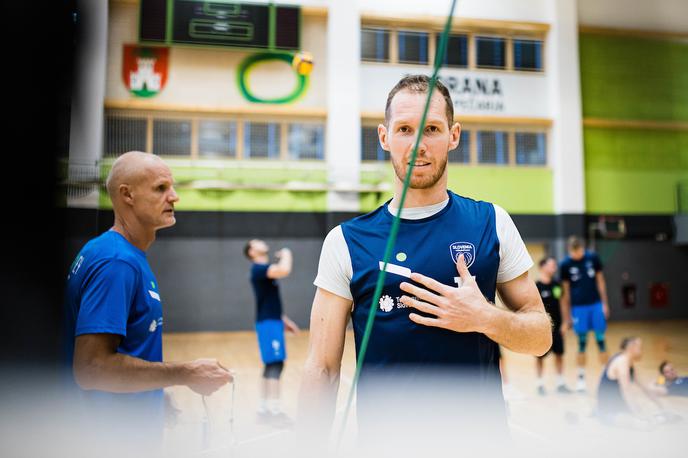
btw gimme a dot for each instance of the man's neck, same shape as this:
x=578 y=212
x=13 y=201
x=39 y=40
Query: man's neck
x=420 y=197
x=263 y=259
x=134 y=232
x=546 y=279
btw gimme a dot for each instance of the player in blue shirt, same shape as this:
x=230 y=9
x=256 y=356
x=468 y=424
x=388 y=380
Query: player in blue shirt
x=113 y=313
x=270 y=324
x=584 y=300
x=433 y=350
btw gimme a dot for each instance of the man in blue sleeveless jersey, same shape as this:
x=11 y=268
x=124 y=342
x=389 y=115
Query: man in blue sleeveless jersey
x=437 y=329
x=270 y=324
x=584 y=299
x=113 y=314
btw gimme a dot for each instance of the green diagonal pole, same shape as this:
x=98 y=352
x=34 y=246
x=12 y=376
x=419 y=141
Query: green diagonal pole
x=391 y=240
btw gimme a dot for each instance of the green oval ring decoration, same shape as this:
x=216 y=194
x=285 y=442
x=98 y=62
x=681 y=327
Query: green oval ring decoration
x=243 y=71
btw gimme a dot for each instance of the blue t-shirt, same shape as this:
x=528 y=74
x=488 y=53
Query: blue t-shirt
x=112 y=290
x=405 y=356
x=268 y=303
x=581 y=277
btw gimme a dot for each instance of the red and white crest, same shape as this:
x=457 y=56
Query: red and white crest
x=144 y=69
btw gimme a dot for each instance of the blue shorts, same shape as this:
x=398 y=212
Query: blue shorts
x=271 y=341
x=588 y=318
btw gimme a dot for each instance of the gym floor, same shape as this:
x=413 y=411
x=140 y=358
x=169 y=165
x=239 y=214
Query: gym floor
x=533 y=418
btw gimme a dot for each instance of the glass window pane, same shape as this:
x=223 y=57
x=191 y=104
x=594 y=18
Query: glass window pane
x=490 y=52
x=528 y=55
x=306 y=141
x=531 y=148
x=413 y=47
x=171 y=137
x=370 y=145
x=124 y=134
x=217 y=138
x=493 y=147
x=375 y=45
x=456 y=54
x=261 y=140
x=461 y=154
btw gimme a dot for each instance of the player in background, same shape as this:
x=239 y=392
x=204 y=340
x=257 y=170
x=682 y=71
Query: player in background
x=550 y=292
x=271 y=323
x=584 y=299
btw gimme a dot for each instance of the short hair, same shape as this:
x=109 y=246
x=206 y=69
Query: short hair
x=662 y=366
x=420 y=84
x=627 y=341
x=574 y=242
x=544 y=260
x=247 y=248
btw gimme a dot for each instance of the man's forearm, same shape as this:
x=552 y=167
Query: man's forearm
x=317 y=398
x=523 y=331
x=119 y=373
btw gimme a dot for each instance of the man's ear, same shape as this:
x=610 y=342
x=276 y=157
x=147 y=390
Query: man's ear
x=382 y=136
x=125 y=194
x=454 y=136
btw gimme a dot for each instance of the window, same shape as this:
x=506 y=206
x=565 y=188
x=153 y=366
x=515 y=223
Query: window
x=530 y=148
x=493 y=147
x=217 y=138
x=490 y=52
x=261 y=140
x=171 y=137
x=528 y=55
x=375 y=45
x=413 y=47
x=371 y=150
x=456 y=54
x=306 y=141
x=461 y=154
x=124 y=134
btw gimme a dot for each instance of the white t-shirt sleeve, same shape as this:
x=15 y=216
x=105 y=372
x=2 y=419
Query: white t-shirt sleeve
x=334 y=269
x=514 y=258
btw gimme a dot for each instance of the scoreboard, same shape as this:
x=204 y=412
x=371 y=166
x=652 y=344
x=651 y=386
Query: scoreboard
x=220 y=23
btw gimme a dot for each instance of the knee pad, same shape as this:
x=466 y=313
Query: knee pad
x=601 y=343
x=582 y=342
x=273 y=370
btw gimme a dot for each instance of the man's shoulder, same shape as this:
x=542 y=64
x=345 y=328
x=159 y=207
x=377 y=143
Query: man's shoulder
x=362 y=220
x=471 y=202
x=109 y=247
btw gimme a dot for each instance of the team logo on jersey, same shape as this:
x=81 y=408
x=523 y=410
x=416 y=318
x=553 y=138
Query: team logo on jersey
x=155 y=324
x=386 y=303
x=466 y=249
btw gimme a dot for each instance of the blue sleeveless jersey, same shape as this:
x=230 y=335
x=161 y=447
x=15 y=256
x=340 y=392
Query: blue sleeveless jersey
x=429 y=246
x=407 y=356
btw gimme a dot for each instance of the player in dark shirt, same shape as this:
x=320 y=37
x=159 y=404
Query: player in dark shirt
x=584 y=300
x=669 y=383
x=617 y=402
x=550 y=292
x=271 y=323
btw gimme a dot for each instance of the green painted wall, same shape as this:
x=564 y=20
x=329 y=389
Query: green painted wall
x=517 y=189
x=525 y=190
x=634 y=171
x=634 y=78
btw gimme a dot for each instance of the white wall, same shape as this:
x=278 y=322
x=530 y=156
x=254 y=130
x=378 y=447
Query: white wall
x=505 y=10
x=524 y=95
x=658 y=15
x=206 y=77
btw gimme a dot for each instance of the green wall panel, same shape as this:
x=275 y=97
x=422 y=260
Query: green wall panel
x=634 y=171
x=634 y=78
x=632 y=192
x=526 y=190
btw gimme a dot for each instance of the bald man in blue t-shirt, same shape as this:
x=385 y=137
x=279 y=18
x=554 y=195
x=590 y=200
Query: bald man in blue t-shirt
x=113 y=314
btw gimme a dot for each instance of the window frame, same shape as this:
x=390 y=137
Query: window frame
x=239 y=120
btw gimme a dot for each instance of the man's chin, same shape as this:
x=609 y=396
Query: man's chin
x=168 y=222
